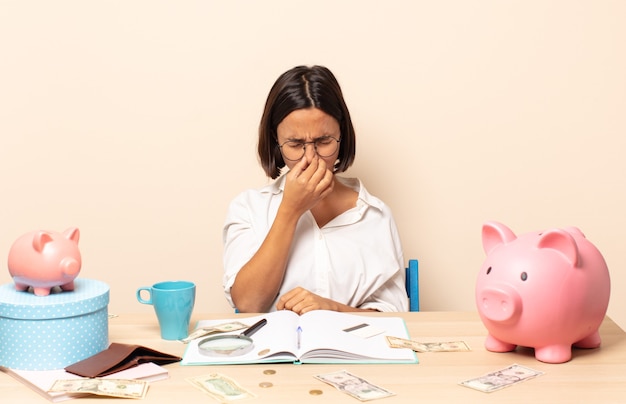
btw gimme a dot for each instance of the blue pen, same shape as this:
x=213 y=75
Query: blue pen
x=299 y=331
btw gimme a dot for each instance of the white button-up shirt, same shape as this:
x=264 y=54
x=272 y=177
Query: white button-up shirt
x=355 y=259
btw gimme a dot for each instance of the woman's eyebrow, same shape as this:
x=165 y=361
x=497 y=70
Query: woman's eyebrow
x=293 y=138
x=300 y=139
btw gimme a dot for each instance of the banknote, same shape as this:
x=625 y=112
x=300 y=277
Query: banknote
x=442 y=346
x=220 y=387
x=121 y=388
x=202 y=331
x=501 y=378
x=354 y=386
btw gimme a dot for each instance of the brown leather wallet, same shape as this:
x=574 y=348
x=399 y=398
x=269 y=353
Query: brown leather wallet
x=119 y=357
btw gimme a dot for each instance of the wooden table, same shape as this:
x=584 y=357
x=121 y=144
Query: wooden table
x=596 y=375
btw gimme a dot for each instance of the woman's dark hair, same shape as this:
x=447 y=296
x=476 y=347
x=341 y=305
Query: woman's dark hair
x=299 y=88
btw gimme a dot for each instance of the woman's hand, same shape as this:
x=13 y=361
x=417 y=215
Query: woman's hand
x=300 y=300
x=306 y=184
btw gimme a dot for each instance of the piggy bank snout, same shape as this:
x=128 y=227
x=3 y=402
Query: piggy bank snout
x=501 y=304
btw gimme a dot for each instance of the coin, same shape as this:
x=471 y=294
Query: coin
x=269 y=372
x=316 y=392
x=263 y=352
x=265 y=384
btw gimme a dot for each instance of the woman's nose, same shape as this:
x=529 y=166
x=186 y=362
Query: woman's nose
x=309 y=150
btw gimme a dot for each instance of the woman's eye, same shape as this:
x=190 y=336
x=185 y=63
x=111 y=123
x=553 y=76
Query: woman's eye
x=323 y=141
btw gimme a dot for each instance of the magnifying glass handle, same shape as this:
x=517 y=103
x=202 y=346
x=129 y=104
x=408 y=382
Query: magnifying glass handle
x=254 y=327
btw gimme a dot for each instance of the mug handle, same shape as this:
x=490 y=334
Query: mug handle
x=141 y=299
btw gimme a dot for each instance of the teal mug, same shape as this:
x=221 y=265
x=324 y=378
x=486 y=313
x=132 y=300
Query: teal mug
x=173 y=303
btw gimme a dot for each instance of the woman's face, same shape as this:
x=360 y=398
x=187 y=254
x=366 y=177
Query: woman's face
x=309 y=125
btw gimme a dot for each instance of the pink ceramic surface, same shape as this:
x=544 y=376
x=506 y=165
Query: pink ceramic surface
x=545 y=290
x=44 y=259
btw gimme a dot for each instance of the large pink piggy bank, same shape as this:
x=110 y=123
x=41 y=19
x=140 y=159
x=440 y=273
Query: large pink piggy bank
x=545 y=290
x=43 y=260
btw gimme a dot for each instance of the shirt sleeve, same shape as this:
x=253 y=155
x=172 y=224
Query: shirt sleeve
x=240 y=241
x=391 y=297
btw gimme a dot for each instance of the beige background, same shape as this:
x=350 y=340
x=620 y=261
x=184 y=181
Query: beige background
x=136 y=122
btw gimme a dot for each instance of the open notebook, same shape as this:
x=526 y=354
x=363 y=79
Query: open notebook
x=318 y=336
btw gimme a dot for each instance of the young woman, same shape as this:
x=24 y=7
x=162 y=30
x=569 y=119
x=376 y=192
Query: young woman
x=310 y=240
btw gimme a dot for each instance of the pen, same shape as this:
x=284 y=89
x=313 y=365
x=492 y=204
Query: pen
x=254 y=328
x=299 y=331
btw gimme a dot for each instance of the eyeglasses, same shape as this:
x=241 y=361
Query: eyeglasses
x=325 y=146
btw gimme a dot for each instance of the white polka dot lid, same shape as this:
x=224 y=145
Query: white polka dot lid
x=88 y=296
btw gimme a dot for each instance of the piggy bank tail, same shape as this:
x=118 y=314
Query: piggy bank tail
x=70 y=267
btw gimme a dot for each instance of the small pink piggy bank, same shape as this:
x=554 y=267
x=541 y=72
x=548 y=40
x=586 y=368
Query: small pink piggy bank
x=545 y=290
x=43 y=260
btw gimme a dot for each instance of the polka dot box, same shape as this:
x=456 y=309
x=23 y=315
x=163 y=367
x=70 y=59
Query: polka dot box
x=52 y=332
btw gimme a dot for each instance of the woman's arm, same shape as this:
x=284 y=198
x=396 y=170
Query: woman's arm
x=258 y=281
x=301 y=301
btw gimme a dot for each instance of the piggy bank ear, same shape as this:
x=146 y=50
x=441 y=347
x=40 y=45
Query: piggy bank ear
x=562 y=242
x=574 y=231
x=72 y=234
x=495 y=234
x=40 y=239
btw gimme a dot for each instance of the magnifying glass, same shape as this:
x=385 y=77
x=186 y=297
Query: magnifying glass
x=230 y=345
